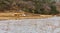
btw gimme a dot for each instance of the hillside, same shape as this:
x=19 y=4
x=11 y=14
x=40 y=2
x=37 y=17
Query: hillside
x=31 y=6
x=58 y=6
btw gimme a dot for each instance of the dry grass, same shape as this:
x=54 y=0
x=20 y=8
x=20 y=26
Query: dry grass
x=8 y=16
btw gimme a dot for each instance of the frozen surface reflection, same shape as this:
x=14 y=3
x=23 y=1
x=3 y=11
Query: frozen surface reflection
x=47 y=25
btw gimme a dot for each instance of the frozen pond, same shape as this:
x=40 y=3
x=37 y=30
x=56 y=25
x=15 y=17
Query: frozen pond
x=47 y=25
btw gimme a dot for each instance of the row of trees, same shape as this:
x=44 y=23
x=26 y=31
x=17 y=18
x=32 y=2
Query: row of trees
x=43 y=7
x=32 y=6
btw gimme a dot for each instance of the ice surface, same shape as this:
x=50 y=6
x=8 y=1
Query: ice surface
x=47 y=25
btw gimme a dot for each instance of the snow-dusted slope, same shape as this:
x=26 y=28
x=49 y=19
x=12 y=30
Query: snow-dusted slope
x=47 y=25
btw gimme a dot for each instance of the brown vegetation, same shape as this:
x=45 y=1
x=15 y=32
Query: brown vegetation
x=21 y=16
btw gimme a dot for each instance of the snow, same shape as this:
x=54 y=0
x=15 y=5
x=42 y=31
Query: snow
x=47 y=25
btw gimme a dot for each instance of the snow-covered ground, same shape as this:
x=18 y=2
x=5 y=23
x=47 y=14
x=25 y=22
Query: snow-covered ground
x=47 y=25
